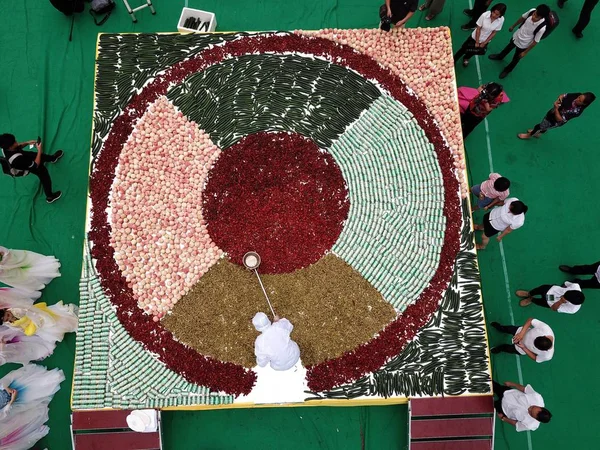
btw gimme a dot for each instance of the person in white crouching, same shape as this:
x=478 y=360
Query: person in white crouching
x=274 y=344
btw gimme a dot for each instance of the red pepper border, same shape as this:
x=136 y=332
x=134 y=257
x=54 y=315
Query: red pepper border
x=228 y=377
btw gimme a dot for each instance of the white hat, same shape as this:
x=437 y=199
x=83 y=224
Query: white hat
x=136 y=423
x=142 y=421
x=261 y=322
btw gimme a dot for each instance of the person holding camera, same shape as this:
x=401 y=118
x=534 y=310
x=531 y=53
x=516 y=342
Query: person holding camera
x=566 y=107
x=564 y=299
x=490 y=96
x=488 y=24
x=532 y=26
x=396 y=12
x=25 y=162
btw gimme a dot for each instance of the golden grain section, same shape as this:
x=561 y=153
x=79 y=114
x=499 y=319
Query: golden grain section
x=332 y=307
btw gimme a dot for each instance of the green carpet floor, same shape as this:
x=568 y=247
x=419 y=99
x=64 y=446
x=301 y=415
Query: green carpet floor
x=46 y=89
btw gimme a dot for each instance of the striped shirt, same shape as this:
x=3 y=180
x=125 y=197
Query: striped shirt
x=487 y=187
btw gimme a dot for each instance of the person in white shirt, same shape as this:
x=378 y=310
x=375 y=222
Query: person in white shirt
x=531 y=29
x=520 y=406
x=503 y=219
x=488 y=24
x=564 y=299
x=586 y=269
x=274 y=344
x=534 y=339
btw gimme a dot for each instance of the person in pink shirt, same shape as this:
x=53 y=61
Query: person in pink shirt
x=491 y=192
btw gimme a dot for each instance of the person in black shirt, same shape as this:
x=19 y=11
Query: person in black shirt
x=566 y=107
x=399 y=11
x=31 y=162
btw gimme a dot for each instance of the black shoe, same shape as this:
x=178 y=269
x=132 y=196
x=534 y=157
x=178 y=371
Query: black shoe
x=497 y=326
x=54 y=197
x=496 y=57
x=59 y=154
x=495 y=350
x=466 y=28
x=560 y=3
x=566 y=269
x=503 y=74
x=578 y=34
x=468 y=12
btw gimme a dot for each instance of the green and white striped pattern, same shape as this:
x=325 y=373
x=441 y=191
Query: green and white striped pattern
x=112 y=370
x=395 y=227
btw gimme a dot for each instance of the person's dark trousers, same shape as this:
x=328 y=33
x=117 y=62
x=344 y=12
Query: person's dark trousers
x=42 y=173
x=469 y=121
x=548 y=122
x=586 y=269
x=479 y=8
x=470 y=42
x=585 y=16
x=499 y=391
x=540 y=291
x=513 y=63
x=508 y=329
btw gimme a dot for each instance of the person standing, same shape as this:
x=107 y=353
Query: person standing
x=503 y=219
x=479 y=7
x=566 y=107
x=398 y=11
x=434 y=6
x=492 y=192
x=534 y=339
x=564 y=299
x=586 y=269
x=532 y=26
x=274 y=345
x=584 y=16
x=520 y=406
x=491 y=95
x=488 y=24
x=31 y=162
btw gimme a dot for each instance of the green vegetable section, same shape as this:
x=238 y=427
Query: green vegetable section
x=241 y=96
x=395 y=227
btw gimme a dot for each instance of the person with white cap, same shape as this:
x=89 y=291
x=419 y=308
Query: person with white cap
x=274 y=344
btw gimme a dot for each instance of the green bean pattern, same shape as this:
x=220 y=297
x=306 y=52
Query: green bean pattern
x=252 y=93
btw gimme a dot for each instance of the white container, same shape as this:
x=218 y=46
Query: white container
x=204 y=16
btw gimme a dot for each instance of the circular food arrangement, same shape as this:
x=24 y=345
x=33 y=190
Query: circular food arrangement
x=315 y=156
